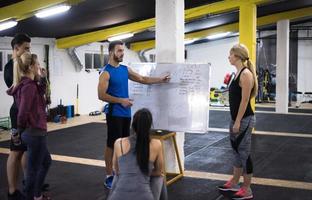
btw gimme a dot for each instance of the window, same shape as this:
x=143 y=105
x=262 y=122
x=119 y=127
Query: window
x=97 y=61
x=106 y=58
x=5 y=56
x=152 y=57
x=93 y=60
x=88 y=61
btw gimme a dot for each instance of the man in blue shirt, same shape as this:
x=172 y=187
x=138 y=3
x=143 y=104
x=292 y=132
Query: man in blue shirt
x=113 y=88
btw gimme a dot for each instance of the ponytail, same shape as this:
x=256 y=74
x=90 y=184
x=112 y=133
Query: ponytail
x=254 y=90
x=21 y=66
x=17 y=63
x=142 y=122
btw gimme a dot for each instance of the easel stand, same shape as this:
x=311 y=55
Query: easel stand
x=167 y=135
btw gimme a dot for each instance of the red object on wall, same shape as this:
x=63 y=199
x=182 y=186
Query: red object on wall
x=227 y=79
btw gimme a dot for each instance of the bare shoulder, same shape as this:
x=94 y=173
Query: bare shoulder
x=117 y=143
x=246 y=79
x=104 y=75
x=246 y=75
x=122 y=140
x=129 y=69
x=118 y=140
x=155 y=143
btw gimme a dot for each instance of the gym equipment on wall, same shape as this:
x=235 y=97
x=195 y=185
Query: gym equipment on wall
x=220 y=97
x=77 y=101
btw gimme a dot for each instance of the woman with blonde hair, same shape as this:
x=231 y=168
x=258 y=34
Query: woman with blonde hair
x=28 y=91
x=242 y=89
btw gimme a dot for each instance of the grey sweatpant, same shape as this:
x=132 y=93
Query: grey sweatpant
x=241 y=144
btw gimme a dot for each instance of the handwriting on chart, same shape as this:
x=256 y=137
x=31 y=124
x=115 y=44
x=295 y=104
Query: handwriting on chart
x=140 y=89
x=190 y=80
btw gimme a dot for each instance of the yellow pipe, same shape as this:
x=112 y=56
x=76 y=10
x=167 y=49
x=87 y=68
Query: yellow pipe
x=192 y=13
x=266 y=20
x=247 y=33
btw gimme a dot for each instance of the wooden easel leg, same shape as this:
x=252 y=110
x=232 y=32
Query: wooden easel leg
x=164 y=164
x=177 y=154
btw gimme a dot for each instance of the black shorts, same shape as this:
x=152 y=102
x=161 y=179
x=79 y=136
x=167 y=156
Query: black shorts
x=20 y=147
x=117 y=127
x=13 y=116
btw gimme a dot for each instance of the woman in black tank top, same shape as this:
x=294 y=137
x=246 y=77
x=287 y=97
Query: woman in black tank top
x=242 y=89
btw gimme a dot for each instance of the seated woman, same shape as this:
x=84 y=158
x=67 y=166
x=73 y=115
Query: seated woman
x=136 y=159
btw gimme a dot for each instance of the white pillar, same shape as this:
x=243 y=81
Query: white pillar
x=282 y=68
x=170 y=31
x=170 y=49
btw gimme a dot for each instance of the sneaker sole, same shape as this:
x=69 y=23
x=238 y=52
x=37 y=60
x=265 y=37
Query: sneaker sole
x=107 y=187
x=242 y=198
x=228 y=190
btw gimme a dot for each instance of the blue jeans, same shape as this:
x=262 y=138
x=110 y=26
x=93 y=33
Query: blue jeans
x=38 y=164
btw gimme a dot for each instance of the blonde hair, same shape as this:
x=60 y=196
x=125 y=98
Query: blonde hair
x=241 y=51
x=21 y=66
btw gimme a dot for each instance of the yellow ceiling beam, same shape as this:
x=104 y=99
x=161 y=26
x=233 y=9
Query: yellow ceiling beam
x=214 y=8
x=261 y=21
x=103 y=34
x=291 y=15
x=27 y=8
x=212 y=31
x=149 y=44
x=218 y=7
x=138 y=46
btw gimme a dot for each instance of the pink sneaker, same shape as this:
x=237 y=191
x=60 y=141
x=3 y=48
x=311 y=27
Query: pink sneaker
x=229 y=186
x=243 y=193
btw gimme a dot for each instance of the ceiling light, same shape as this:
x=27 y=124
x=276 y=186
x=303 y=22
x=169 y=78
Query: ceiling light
x=7 y=24
x=52 y=11
x=217 y=36
x=120 y=37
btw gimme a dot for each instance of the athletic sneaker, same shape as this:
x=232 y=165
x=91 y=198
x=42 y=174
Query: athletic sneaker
x=17 y=195
x=109 y=182
x=44 y=188
x=43 y=197
x=242 y=194
x=229 y=186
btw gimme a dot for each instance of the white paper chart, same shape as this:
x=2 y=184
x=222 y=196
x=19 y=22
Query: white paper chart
x=180 y=105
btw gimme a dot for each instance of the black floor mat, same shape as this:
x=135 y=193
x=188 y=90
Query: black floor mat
x=287 y=158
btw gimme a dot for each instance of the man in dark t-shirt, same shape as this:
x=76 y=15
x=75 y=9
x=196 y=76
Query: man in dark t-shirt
x=20 y=44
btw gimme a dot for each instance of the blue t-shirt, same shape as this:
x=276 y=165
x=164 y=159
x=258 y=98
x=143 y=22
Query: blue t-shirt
x=118 y=87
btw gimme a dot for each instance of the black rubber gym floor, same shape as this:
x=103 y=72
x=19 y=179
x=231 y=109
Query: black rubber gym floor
x=291 y=110
x=267 y=122
x=275 y=157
